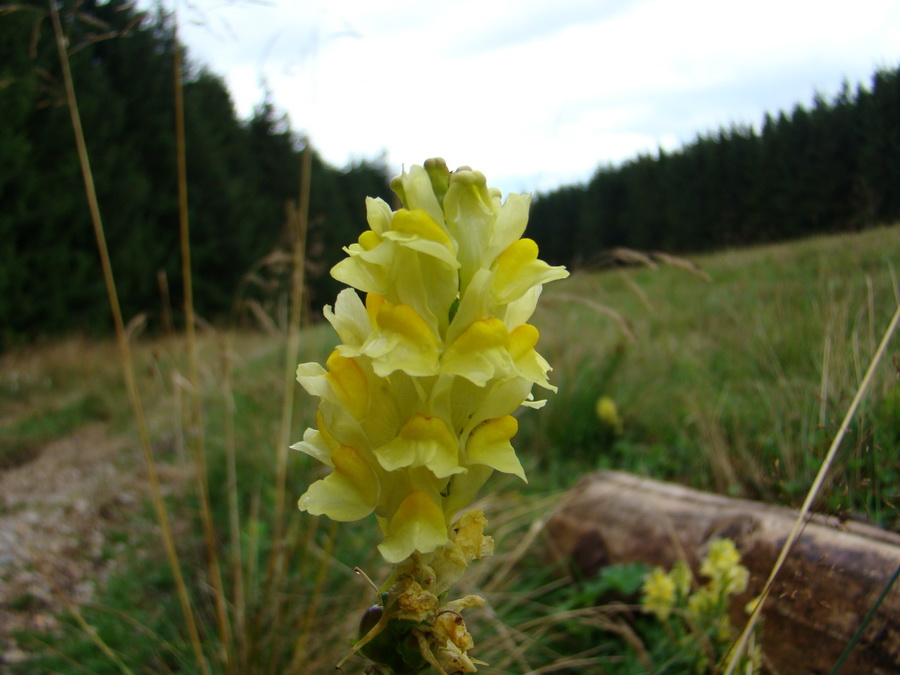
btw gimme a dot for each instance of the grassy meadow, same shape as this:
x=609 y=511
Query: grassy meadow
x=729 y=373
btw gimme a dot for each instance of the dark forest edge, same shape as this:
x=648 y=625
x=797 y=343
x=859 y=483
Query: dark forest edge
x=834 y=167
x=830 y=168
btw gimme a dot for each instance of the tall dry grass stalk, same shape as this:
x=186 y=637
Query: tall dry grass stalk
x=122 y=341
x=241 y=614
x=197 y=436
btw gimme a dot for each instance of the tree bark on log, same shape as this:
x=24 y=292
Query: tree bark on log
x=832 y=577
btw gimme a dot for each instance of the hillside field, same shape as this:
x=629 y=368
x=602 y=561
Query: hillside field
x=728 y=372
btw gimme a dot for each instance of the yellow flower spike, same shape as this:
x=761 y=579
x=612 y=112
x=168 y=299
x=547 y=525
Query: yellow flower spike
x=416 y=404
x=348 y=493
x=423 y=441
x=489 y=444
x=480 y=352
x=518 y=269
x=402 y=341
x=349 y=383
x=417 y=525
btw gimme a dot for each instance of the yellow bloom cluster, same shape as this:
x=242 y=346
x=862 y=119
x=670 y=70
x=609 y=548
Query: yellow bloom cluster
x=608 y=413
x=416 y=402
x=706 y=610
x=664 y=592
x=722 y=566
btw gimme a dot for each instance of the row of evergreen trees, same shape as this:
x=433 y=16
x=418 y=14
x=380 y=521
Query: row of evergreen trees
x=833 y=167
x=241 y=175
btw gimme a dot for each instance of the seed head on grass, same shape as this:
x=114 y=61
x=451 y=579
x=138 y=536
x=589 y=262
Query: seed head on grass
x=416 y=403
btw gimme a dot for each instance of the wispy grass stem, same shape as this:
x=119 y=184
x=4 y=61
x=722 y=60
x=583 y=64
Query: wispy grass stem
x=122 y=341
x=194 y=368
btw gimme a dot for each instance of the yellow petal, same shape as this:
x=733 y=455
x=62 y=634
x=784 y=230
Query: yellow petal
x=349 y=318
x=349 y=383
x=423 y=441
x=522 y=339
x=470 y=208
x=518 y=269
x=373 y=304
x=369 y=240
x=402 y=341
x=480 y=352
x=416 y=191
x=315 y=444
x=512 y=218
x=348 y=493
x=418 y=223
x=378 y=215
x=531 y=365
x=417 y=525
x=405 y=321
x=326 y=435
x=490 y=445
x=416 y=230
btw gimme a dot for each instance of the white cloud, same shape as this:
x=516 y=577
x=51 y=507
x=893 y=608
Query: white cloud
x=534 y=93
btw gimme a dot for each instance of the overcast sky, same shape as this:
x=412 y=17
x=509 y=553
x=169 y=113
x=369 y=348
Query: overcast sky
x=534 y=93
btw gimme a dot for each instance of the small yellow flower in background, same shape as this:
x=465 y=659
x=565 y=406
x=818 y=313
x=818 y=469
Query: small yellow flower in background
x=681 y=575
x=608 y=413
x=416 y=404
x=704 y=613
x=722 y=566
x=659 y=593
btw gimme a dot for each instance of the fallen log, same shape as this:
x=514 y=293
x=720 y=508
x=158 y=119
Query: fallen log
x=831 y=579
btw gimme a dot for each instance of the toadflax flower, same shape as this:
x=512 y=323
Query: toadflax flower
x=416 y=403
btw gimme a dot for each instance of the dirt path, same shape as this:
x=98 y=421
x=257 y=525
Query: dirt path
x=63 y=520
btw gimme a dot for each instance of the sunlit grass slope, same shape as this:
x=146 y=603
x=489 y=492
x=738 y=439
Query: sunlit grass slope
x=734 y=379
